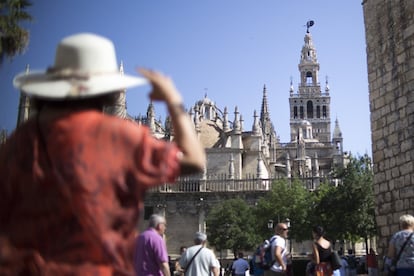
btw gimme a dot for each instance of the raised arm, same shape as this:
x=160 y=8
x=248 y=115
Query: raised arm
x=193 y=156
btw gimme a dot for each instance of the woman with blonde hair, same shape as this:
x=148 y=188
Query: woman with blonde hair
x=401 y=248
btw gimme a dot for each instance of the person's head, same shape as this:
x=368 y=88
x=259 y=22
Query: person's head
x=240 y=255
x=97 y=103
x=200 y=238
x=158 y=222
x=317 y=232
x=85 y=69
x=281 y=229
x=183 y=249
x=407 y=221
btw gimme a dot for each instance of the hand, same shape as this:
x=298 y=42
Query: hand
x=163 y=88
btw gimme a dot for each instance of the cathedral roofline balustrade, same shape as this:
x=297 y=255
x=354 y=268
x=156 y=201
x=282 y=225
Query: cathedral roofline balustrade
x=309 y=94
x=293 y=144
x=229 y=185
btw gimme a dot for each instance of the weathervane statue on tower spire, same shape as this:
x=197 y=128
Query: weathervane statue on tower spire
x=309 y=24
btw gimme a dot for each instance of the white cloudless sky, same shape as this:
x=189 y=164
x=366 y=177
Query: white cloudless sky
x=225 y=49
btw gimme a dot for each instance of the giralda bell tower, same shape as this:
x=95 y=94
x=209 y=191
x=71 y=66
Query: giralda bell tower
x=310 y=104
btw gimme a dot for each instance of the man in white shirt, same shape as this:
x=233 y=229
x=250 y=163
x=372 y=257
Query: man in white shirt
x=279 y=252
x=198 y=260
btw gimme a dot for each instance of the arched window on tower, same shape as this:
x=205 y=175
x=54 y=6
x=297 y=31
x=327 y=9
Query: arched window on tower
x=309 y=109
x=309 y=78
x=338 y=147
x=295 y=112
x=324 y=112
x=301 y=112
x=318 y=111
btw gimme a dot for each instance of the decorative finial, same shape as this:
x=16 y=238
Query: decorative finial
x=309 y=24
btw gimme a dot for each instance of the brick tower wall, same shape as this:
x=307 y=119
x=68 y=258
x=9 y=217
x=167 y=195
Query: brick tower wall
x=389 y=31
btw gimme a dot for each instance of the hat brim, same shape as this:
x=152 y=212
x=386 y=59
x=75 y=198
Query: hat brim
x=42 y=85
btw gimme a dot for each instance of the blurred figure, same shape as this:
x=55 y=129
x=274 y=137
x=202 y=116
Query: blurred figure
x=344 y=264
x=240 y=266
x=372 y=263
x=310 y=266
x=178 y=269
x=352 y=263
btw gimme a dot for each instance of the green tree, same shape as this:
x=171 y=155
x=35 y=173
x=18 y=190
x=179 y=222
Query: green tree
x=327 y=211
x=287 y=199
x=347 y=211
x=356 y=198
x=13 y=38
x=230 y=225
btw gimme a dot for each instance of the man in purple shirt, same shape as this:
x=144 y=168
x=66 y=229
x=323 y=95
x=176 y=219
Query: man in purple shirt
x=151 y=257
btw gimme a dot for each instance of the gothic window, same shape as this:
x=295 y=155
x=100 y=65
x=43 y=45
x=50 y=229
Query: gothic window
x=318 y=111
x=295 y=112
x=338 y=146
x=309 y=109
x=301 y=112
x=309 y=78
x=324 y=112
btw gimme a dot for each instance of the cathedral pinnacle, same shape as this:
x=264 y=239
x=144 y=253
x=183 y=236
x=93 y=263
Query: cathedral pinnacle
x=337 y=130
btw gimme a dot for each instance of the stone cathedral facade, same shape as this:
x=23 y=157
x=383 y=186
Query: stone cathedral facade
x=235 y=152
x=242 y=161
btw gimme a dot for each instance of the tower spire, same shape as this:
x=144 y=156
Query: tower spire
x=264 y=113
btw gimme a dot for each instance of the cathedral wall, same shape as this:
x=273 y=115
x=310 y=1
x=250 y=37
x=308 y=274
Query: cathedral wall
x=250 y=164
x=389 y=31
x=186 y=213
x=218 y=161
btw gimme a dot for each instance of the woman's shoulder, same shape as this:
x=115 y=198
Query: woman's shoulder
x=323 y=243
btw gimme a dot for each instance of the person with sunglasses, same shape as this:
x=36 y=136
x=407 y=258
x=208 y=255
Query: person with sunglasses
x=279 y=251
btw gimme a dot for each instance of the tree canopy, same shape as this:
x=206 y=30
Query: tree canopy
x=13 y=38
x=230 y=225
x=287 y=200
x=345 y=210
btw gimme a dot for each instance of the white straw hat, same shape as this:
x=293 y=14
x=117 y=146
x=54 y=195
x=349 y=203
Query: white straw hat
x=85 y=66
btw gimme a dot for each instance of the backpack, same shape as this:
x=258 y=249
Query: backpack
x=263 y=255
x=352 y=264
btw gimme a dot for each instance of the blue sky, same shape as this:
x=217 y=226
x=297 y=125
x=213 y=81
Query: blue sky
x=227 y=49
